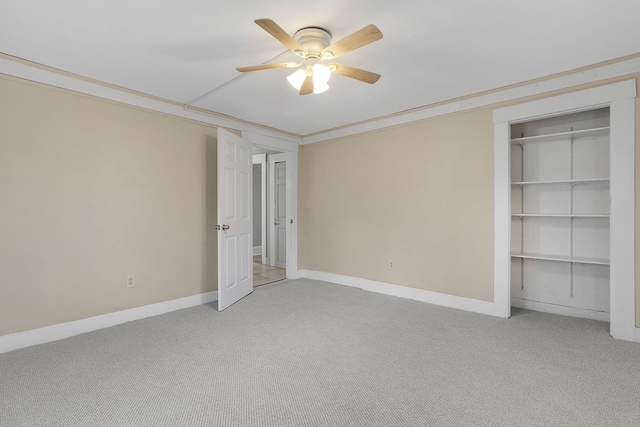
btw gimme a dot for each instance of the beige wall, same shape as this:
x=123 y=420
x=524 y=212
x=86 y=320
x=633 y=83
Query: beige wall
x=420 y=195
x=92 y=191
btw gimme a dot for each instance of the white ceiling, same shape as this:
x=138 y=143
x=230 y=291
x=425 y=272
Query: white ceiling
x=432 y=50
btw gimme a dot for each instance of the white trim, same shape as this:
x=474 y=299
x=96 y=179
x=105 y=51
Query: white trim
x=291 y=171
x=65 y=330
x=271 y=176
x=618 y=69
x=288 y=153
x=502 y=220
x=261 y=159
x=586 y=99
x=562 y=310
x=446 y=300
x=292 y=215
x=257 y=250
x=622 y=229
x=273 y=143
x=594 y=75
x=620 y=97
x=27 y=72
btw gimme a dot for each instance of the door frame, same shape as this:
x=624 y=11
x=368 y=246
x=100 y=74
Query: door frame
x=261 y=159
x=290 y=152
x=620 y=98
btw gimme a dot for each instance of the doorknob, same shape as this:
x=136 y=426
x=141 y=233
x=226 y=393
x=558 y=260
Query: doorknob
x=276 y=222
x=224 y=227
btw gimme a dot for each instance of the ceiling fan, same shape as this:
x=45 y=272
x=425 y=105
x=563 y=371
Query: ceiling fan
x=313 y=45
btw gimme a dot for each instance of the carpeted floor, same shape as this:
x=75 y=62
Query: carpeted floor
x=305 y=353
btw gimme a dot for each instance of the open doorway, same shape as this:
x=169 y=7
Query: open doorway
x=276 y=150
x=269 y=216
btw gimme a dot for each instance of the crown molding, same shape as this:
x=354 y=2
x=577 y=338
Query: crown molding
x=580 y=77
x=40 y=74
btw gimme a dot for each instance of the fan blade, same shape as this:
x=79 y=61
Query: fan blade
x=267 y=66
x=360 y=38
x=274 y=29
x=355 y=73
x=307 y=86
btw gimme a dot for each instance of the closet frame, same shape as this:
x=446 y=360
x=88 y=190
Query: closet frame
x=620 y=99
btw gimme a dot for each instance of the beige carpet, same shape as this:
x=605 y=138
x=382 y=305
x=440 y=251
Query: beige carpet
x=305 y=353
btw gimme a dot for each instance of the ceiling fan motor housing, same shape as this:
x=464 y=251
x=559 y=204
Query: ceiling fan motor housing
x=313 y=40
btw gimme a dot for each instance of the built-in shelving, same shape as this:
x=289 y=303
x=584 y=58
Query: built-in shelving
x=560 y=215
x=561 y=181
x=560 y=221
x=560 y=135
x=561 y=258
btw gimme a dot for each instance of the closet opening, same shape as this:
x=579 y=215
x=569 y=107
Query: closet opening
x=570 y=215
x=560 y=214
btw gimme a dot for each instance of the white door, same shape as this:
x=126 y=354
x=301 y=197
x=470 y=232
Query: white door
x=280 y=217
x=235 y=243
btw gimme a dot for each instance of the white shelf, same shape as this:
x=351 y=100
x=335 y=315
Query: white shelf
x=562 y=181
x=554 y=215
x=561 y=258
x=560 y=135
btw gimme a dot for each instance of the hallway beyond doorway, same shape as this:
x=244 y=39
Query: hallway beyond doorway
x=263 y=273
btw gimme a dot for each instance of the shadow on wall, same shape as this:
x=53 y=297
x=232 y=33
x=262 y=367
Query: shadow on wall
x=210 y=249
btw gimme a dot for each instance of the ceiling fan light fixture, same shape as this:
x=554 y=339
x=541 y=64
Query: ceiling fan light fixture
x=314 y=45
x=319 y=87
x=297 y=78
x=321 y=75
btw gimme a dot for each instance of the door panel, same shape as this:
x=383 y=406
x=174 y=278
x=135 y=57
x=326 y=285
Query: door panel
x=245 y=264
x=229 y=272
x=230 y=199
x=235 y=275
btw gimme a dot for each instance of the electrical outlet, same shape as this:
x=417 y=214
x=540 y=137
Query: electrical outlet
x=392 y=265
x=131 y=280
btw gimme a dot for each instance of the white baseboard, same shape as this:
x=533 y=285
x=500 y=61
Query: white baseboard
x=65 y=330
x=257 y=250
x=560 y=309
x=452 y=301
x=68 y=329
